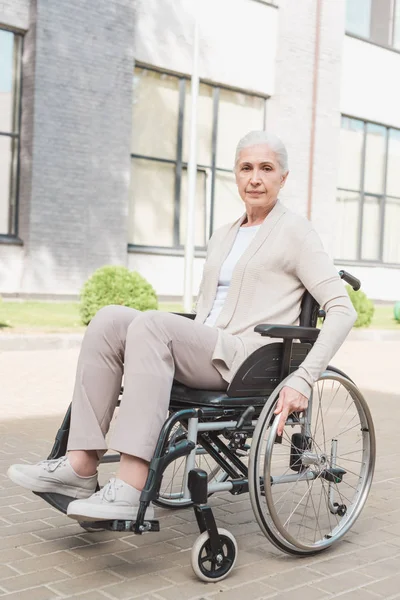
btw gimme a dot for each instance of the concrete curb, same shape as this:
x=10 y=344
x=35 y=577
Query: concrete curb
x=64 y=341
x=36 y=341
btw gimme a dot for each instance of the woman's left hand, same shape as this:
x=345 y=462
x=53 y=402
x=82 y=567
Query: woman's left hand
x=289 y=401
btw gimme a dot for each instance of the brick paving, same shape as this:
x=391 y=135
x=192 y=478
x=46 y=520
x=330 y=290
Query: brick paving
x=46 y=556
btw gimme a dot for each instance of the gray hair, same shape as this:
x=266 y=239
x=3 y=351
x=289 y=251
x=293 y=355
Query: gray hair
x=255 y=138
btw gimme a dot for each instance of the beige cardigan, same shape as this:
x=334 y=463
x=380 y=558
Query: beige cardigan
x=284 y=258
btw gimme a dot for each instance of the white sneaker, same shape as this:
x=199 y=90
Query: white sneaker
x=53 y=476
x=116 y=500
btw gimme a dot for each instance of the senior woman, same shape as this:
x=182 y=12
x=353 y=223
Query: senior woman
x=256 y=271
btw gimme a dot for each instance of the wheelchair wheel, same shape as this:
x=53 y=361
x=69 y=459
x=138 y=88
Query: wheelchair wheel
x=171 y=493
x=213 y=568
x=308 y=488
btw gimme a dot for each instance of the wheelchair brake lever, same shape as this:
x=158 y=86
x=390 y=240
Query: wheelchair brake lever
x=245 y=418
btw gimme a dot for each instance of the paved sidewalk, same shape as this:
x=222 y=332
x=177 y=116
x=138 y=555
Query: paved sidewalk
x=46 y=556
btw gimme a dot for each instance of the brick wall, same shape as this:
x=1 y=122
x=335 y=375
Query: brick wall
x=75 y=165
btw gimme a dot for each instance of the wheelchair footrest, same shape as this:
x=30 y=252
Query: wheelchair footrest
x=120 y=525
x=58 y=501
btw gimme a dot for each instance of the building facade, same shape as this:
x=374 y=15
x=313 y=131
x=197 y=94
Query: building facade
x=95 y=120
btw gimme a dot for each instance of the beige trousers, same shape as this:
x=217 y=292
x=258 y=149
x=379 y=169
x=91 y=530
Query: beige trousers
x=150 y=349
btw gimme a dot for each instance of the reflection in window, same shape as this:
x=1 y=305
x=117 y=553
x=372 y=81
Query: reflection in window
x=376 y=20
x=204 y=124
x=160 y=149
x=393 y=173
x=351 y=150
x=368 y=198
x=375 y=159
x=10 y=52
x=151 y=208
x=391 y=240
x=370 y=228
x=202 y=206
x=347 y=215
x=396 y=26
x=358 y=17
x=237 y=115
x=155 y=114
x=228 y=204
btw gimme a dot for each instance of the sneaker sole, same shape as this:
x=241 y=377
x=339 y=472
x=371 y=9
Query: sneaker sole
x=88 y=512
x=34 y=485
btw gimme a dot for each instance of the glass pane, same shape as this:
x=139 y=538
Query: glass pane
x=6 y=80
x=228 y=205
x=151 y=206
x=375 y=159
x=370 y=229
x=358 y=17
x=393 y=174
x=5 y=181
x=396 y=28
x=351 y=147
x=204 y=124
x=237 y=115
x=381 y=21
x=391 y=240
x=201 y=214
x=347 y=215
x=155 y=114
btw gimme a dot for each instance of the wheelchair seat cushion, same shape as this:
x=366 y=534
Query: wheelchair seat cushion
x=183 y=395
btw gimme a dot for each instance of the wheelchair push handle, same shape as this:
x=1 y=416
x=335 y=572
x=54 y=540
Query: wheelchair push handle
x=351 y=280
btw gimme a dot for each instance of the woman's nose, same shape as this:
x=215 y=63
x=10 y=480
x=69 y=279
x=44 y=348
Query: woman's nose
x=255 y=177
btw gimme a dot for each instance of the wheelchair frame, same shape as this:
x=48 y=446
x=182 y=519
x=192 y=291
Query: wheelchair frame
x=236 y=415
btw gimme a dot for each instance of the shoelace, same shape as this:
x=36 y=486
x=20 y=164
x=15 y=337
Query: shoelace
x=109 y=491
x=53 y=464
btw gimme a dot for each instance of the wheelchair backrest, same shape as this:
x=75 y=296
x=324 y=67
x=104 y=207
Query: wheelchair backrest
x=309 y=311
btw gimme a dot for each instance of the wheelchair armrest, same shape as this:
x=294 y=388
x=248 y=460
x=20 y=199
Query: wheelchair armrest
x=187 y=315
x=287 y=332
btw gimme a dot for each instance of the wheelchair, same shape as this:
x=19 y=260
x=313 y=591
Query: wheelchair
x=307 y=487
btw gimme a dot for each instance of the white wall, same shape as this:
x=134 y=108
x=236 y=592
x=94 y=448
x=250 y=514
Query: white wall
x=289 y=111
x=370 y=82
x=11 y=265
x=237 y=40
x=165 y=273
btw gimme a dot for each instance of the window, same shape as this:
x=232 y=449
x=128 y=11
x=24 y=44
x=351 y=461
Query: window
x=160 y=153
x=10 y=60
x=376 y=20
x=368 y=199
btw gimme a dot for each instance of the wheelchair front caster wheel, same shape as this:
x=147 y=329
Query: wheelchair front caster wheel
x=212 y=568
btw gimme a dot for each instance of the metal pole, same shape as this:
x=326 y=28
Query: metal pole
x=192 y=174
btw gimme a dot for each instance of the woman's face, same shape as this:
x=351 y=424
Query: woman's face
x=259 y=176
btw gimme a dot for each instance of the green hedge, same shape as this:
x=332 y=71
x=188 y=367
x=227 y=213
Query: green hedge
x=115 y=285
x=364 y=307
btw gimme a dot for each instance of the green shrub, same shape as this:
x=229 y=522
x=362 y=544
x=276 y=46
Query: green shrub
x=115 y=285
x=396 y=312
x=363 y=305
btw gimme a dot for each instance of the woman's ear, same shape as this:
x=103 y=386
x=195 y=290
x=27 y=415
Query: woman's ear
x=283 y=180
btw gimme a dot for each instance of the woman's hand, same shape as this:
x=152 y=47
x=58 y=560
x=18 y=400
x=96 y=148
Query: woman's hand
x=289 y=401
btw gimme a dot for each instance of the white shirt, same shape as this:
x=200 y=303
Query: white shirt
x=243 y=239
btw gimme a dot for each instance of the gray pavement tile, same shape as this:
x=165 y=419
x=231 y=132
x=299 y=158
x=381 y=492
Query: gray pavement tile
x=39 y=542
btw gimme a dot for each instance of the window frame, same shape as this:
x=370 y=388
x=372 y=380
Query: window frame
x=11 y=237
x=362 y=192
x=178 y=249
x=392 y=24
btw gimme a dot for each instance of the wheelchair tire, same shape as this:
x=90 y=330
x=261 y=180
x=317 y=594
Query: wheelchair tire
x=205 y=566
x=327 y=462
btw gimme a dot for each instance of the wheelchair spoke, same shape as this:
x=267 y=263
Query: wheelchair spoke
x=325 y=465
